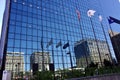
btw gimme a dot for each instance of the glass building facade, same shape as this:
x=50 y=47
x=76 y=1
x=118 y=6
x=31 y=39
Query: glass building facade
x=39 y=25
x=86 y=52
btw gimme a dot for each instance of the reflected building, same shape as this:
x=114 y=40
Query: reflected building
x=115 y=39
x=15 y=63
x=29 y=25
x=86 y=52
x=40 y=60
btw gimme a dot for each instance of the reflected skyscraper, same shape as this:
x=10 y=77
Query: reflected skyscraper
x=15 y=63
x=36 y=58
x=28 y=26
x=86 y=52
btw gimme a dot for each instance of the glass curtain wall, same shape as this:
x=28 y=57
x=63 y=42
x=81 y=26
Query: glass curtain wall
x=42 y=35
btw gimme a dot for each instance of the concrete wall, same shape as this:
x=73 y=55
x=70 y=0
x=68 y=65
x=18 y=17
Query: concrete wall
x=102 y=77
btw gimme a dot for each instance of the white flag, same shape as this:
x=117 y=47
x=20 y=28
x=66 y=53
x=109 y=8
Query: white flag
x=90 y=13
x=100 y=18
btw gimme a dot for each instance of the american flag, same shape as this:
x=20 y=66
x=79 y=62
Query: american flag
x=78 y=13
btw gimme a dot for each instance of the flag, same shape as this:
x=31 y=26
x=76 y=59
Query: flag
x=110 y=21
x=78 y=13
x=66 y=45
x=58 y=44
x=100 y=18
x=49 y=43
x=68 y=53
x=114 y=20
x=91 y=13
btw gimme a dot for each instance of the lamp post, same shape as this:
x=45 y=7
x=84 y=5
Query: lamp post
x=18 y=68
x=70 y=60
x=16 y=71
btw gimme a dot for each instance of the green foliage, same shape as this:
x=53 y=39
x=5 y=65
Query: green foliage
x=68 y=74
x=44 y=75
x=91 y=69
x=74 y=74
x=107 y=63
x=93 y=65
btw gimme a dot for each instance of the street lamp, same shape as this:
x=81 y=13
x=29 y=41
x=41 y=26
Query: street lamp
x=18 y=68
x=70 y=60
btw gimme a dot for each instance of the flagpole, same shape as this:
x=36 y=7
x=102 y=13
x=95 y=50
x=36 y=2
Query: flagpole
x=70 y=56
x=42 y=44
x=68 y=46
x=110 y=58
x=96 y=41
x=83 y=40
x=71 y=59
x=53 y=62
x=53 y=59
x=62 y=60
x=113 y=38
x=50 y=43
x=42 y=54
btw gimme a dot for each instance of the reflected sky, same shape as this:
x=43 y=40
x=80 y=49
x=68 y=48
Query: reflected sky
x=56 y=19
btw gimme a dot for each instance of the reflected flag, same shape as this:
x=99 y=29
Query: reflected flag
x=49 y=43
x=68 y=53
x=90 y=13
x=78 y=13
x=100 y=18
x=66 y=45
x=58 y=44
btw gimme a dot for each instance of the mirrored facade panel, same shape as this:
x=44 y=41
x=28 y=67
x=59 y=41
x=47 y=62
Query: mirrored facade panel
x=53 y=35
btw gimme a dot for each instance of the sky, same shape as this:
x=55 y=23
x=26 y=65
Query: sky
x=2 y=7
x=109 y=7
x=112 y=8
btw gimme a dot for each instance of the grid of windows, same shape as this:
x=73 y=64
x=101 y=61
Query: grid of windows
x=34 y=23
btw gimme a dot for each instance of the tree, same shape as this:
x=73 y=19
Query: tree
x=107 y=63
x=44 y=75
x=93 y=65
x=91 y=69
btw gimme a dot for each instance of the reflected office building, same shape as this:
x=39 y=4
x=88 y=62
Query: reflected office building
x=15 y=63
x=47 y=25
x=86 y=52
x=39 y=61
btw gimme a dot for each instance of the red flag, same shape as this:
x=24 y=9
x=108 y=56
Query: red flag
x=78 y=14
